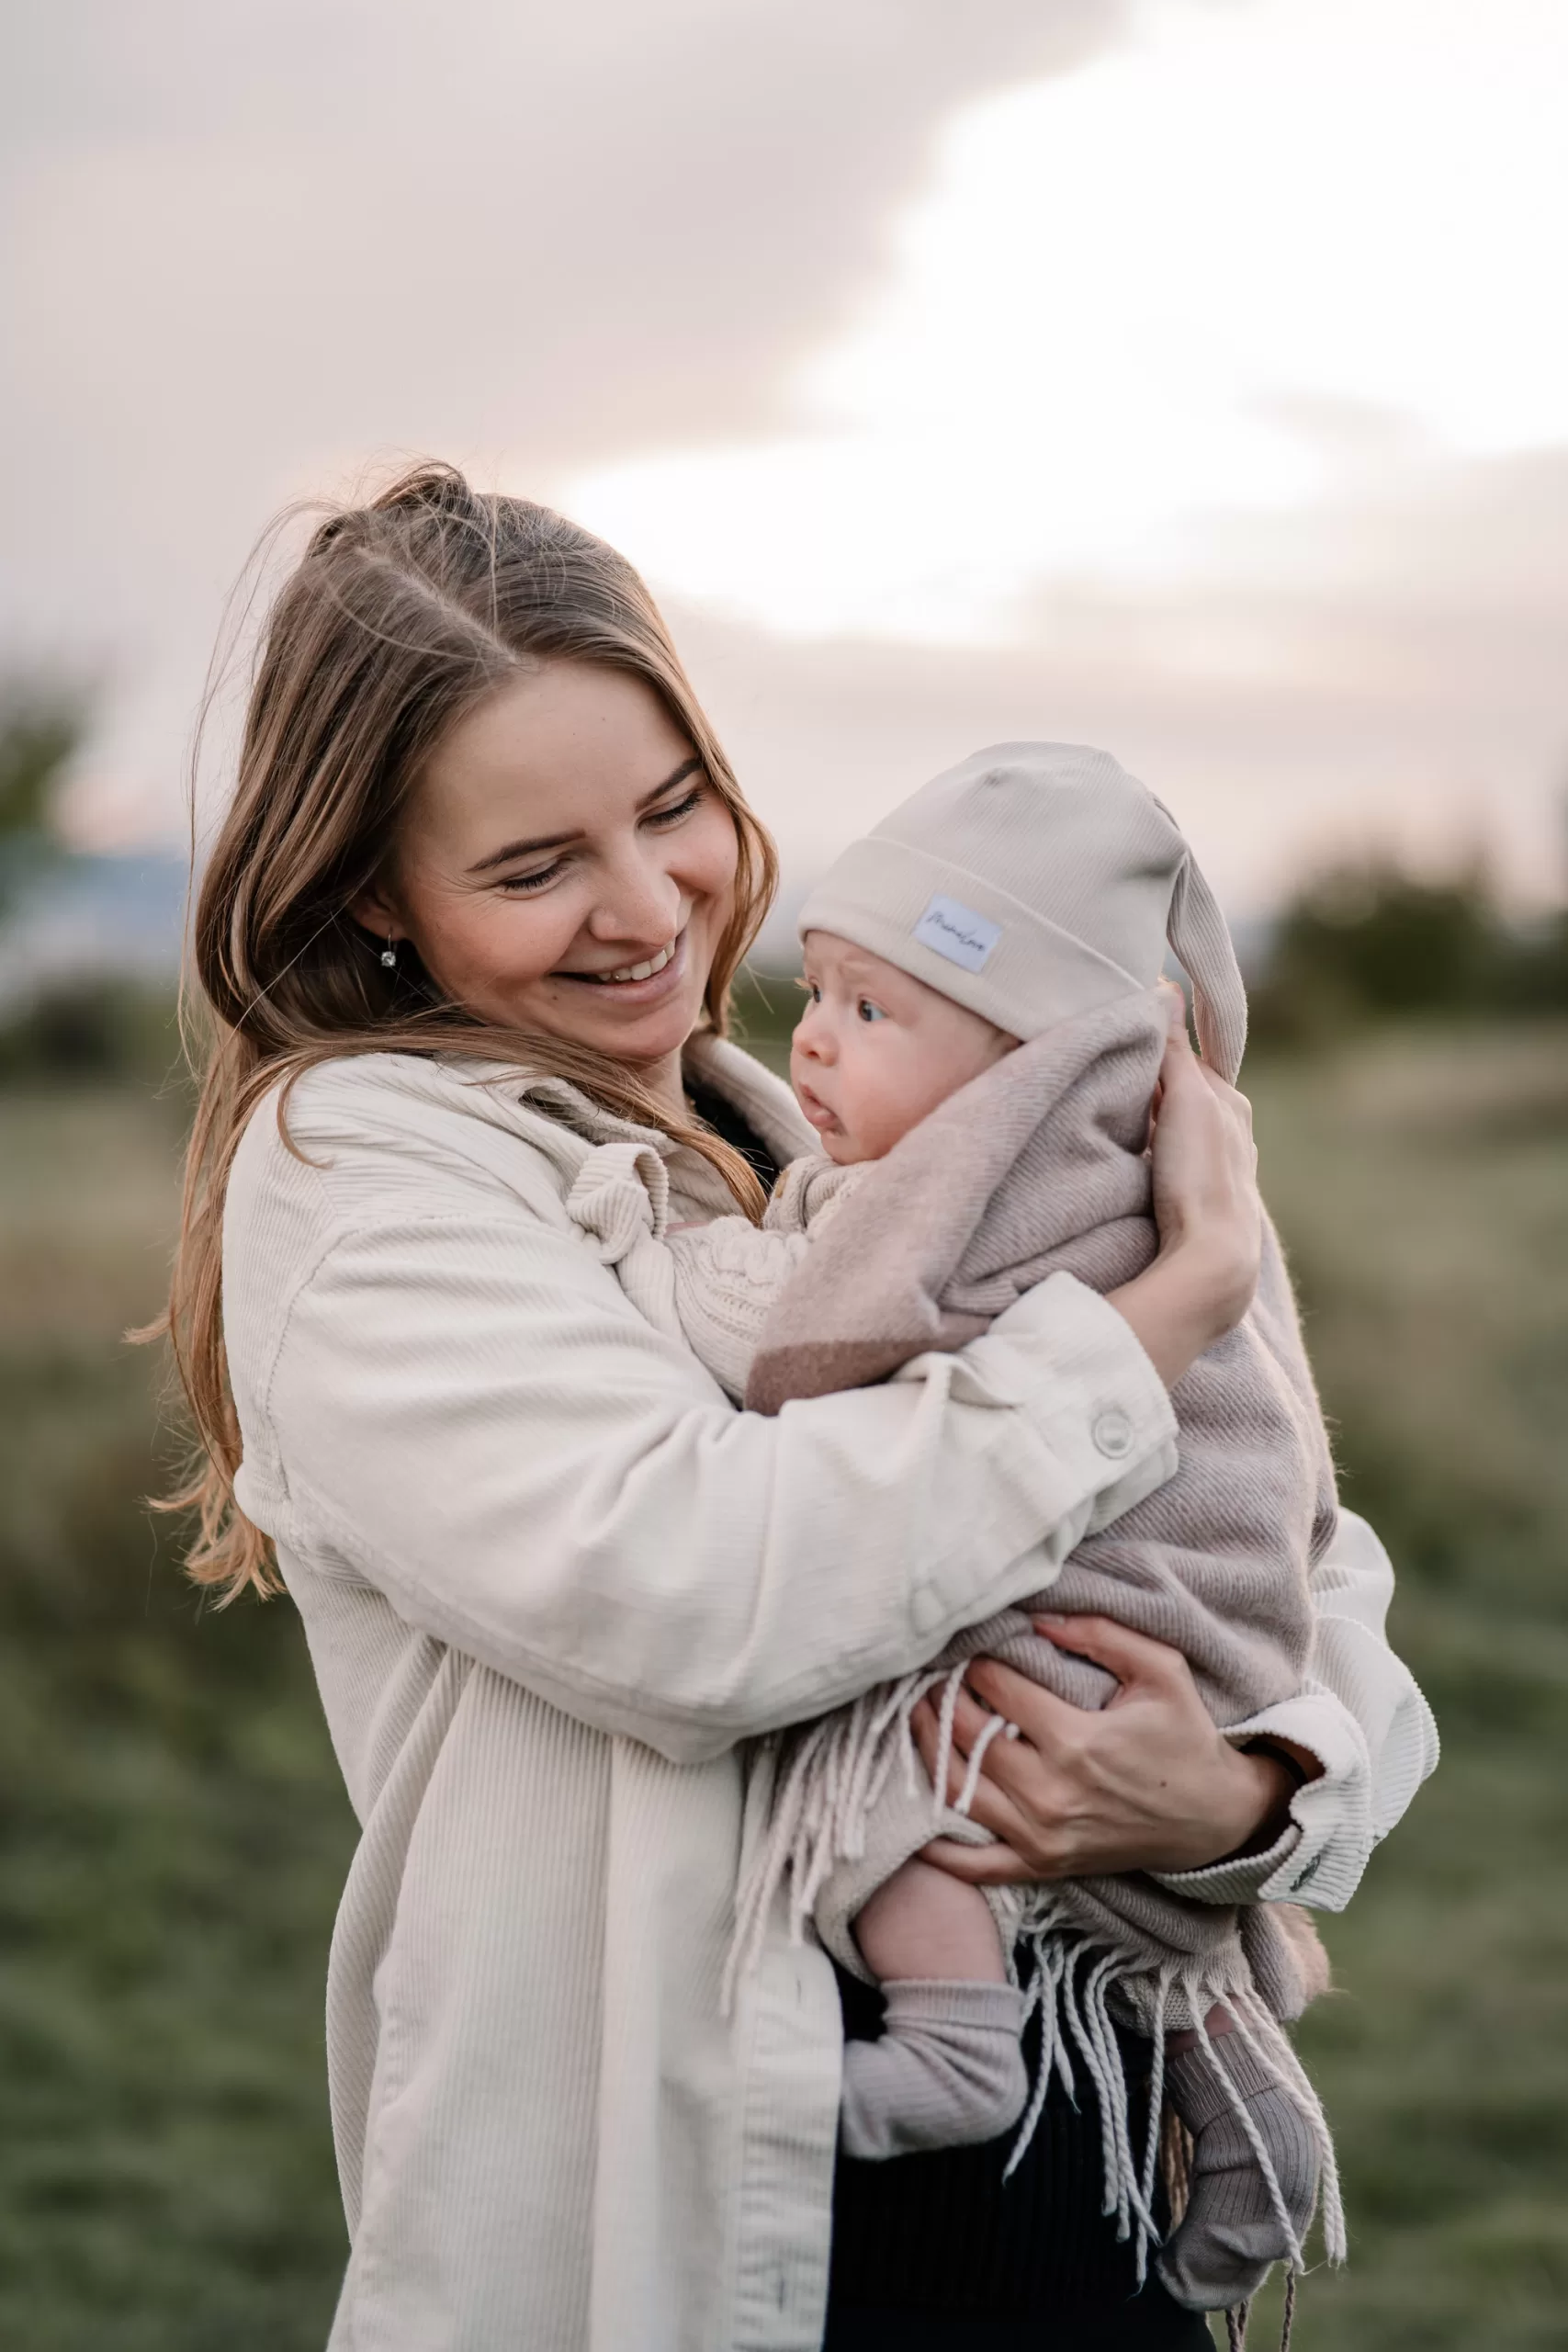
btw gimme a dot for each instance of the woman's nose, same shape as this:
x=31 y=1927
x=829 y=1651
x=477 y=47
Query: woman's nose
x=639 y=902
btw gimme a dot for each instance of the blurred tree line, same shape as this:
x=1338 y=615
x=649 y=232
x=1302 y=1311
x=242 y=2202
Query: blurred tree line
x=1359 y=943
x=41 y=731
x=100 y=1025
x=1374 y=942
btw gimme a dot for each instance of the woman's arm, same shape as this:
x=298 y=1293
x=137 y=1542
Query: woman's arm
x=1150 y=1784
x=467 y=1413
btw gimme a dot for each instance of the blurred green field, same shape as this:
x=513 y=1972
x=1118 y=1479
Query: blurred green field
x=174 y=1835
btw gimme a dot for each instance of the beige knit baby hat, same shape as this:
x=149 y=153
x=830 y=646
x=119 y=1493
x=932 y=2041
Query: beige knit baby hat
x=1032 y=882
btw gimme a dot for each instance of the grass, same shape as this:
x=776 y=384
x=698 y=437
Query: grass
x=172 y=1834
x=1421 y=1181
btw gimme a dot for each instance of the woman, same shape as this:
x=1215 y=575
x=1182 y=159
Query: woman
x=476 y=908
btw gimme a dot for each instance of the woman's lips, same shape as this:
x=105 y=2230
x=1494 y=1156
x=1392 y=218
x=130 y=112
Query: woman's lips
x=659 y=982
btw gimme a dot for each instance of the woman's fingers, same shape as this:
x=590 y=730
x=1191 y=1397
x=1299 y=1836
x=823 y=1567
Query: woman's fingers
x=1147 y=1783
x=1131 y=1656
x=979 y=1865
x=1204 y=1164
x=1046 y=1722
x=1018 y=1790
x=993 y=1803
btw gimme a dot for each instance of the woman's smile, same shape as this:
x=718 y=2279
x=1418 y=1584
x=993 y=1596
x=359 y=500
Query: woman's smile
x=640 y=983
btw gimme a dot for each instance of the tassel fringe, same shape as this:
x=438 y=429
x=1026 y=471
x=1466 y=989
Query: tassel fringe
x=832 y=1781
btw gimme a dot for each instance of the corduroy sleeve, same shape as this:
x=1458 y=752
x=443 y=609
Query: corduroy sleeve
x=1362 y=1715
x=465 y=1411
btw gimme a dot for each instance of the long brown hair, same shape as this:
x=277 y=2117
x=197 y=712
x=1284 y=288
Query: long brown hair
x=401 y=615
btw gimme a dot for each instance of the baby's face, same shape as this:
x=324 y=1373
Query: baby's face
x=876 y=1050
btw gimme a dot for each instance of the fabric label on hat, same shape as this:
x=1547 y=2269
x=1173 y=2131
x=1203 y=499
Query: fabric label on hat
x=957 y=932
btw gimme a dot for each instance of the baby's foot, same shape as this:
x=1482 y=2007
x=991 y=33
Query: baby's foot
x=1231 y=2234
x=948 y=2070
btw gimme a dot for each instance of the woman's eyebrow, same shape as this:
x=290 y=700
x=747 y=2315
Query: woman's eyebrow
x=560 y=841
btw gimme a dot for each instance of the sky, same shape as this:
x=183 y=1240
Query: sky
x=1185 y=376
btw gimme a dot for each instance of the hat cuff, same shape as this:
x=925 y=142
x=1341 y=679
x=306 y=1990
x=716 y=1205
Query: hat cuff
x=879 y=893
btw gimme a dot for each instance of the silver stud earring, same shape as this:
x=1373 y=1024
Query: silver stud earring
x=389 y=953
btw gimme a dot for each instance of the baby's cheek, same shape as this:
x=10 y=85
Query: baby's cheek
x=884 y=1113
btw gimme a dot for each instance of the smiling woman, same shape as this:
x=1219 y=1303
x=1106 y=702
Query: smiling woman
x=556 y=1589
x=471 y=731
x=600 y=928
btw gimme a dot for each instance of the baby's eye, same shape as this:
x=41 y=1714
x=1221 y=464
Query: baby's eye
x=869 y=1012
x=810 y=991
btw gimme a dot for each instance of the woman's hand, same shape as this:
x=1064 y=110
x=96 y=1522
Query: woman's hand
x=1207 y=1209
x=1144 y=1784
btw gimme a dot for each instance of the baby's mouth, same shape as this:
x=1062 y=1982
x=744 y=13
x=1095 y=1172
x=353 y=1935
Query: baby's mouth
x=816 y=1110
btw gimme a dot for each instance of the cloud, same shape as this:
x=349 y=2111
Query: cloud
x=1122 y=298
x=251 y=247
x=1383 y=672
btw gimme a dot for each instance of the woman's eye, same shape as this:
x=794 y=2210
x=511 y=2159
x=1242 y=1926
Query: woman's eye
x=519 y=885
x=869 y=1012
x=681 y=809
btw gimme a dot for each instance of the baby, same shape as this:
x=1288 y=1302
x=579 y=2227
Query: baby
x=978 y=1054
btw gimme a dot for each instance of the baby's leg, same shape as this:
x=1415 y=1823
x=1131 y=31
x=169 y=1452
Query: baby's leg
x=948 y=2070
x=1231 y=2232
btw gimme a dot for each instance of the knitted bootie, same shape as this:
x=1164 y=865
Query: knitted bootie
x=1231 y=2235
x=948 y=2070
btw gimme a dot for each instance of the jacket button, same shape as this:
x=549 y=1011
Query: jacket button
x=1112 y=1433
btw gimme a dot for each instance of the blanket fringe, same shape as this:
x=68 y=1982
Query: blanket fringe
x=1072 y=1980
x=837 y=1771
x=832 y=1781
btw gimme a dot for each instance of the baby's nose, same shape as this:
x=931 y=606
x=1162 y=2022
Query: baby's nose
x=813 y=1035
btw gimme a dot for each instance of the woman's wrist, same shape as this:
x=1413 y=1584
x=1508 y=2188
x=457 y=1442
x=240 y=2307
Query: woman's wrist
x=1264 y=1778
x=1177 y=1307
x=1265 y=1786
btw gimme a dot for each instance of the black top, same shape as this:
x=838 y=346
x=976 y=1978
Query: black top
x=941 y=2242
x=726 y=1122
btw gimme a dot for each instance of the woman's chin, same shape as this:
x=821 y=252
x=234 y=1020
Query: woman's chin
x=640 y=1034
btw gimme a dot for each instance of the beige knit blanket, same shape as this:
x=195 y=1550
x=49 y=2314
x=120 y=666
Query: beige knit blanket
x=1037 y=1167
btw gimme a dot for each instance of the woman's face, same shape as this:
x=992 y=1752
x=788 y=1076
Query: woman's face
x=565 y=865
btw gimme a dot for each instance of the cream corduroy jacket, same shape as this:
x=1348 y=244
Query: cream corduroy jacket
x=550 y=1579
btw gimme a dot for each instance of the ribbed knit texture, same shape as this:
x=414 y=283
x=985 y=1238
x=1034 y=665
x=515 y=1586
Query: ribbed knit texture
x=948 y=2071
x=1230 y=2233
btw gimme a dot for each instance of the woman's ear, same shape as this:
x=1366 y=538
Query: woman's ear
x=376 y=911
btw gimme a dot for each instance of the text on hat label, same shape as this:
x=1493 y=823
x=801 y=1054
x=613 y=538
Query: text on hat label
x=957 y=932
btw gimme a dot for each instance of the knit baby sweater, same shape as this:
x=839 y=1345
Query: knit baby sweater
x=715 y=1284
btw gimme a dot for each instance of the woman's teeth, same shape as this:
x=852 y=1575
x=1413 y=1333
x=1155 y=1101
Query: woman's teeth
x=639 y=971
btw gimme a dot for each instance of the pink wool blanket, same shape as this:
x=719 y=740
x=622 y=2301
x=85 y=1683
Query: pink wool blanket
x=1040 y=1167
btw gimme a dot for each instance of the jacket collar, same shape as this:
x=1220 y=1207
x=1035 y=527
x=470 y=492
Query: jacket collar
x=763 y=1100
